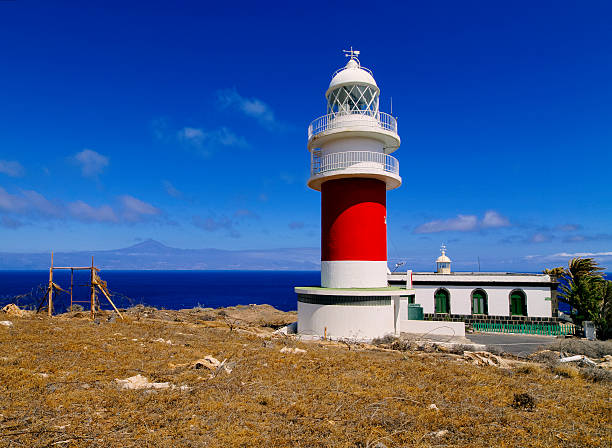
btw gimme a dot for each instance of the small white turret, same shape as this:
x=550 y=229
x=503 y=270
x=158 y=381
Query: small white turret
x=443 y=263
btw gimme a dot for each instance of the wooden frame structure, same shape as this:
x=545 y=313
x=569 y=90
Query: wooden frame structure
x=95 y=282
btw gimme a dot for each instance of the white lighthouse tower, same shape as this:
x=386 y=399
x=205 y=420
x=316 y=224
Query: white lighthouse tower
x=352 y=167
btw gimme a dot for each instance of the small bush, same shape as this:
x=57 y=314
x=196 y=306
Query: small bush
x=76 y=308
x=459 y=349
x=566 y=371
x=596 y=374
x=592 y=349
x=547 y=357
x=529 y=369
x=523 y=401
x=494 y=349
x=385 y=340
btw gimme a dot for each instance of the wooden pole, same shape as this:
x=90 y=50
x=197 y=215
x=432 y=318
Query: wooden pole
x=109 y=299
x=50 y=309
x=71 y=284
x=93 y=290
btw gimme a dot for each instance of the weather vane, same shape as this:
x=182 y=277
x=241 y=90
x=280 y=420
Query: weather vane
x=351 y=53
x=443 y=248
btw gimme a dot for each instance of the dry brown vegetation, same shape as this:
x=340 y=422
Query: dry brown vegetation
x=58 y=388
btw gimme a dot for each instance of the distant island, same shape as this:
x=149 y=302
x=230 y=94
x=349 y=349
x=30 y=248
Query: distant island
x=153 y=255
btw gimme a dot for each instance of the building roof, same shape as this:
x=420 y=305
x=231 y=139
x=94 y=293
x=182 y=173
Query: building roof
x=474 y=278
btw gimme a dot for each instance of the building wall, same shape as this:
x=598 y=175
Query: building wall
x=346 y=321
x=498 y=299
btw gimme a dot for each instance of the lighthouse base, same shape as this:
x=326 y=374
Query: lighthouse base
x=353 y=314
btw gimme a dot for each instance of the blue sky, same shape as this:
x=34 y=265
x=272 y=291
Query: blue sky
x=186 y=122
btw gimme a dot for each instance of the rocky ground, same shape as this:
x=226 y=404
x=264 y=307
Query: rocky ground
x=222 y=377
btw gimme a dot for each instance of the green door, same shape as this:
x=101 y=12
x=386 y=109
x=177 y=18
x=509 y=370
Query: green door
x=442 y=302
x=517 y=304
x=479 y=304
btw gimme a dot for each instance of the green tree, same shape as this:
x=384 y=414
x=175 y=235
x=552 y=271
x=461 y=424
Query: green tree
x=584 y=289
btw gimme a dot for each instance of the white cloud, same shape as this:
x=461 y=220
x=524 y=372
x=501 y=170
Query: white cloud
x=493 y=219
x=27 y=202
x=41 y=204
x=10 y=223
x=539 y=238
x=11 y=168
x=465 y=223
x=212 y=224
x=208 y=141
x=462 y=223
x=252 y=107
x=91 y=162
x=569 y=227
x=581 y=254
x=171 y=189
x=192 y=135
x=33 y=205
x=134 y=209
x=10 y=202
x=85 y=212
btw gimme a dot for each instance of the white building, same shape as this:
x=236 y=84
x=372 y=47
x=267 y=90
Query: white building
x=483 y=298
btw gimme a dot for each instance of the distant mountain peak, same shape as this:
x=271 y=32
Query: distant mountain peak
x=149 y=244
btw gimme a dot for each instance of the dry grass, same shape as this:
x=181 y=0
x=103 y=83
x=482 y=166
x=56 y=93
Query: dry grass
x=57 y=383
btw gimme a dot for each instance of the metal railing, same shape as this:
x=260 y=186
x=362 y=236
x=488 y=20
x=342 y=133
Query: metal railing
x=339 y=120
x=537 y=329
x=352 y=159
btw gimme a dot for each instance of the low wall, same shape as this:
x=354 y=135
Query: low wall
x=433 y=327
x=507 y=320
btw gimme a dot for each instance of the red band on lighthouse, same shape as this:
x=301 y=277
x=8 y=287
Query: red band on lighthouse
x=353 y=220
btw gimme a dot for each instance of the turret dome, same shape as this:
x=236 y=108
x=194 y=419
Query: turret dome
x=443 y=263
x=443 y=259
x=352 y=73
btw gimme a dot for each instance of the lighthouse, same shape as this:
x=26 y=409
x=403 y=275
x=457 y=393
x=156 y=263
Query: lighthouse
x=352 y=166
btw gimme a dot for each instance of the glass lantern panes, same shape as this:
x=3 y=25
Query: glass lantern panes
x=353 y=99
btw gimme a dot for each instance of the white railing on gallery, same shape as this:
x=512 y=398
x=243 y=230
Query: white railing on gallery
x=352 y=159
x=378 y=120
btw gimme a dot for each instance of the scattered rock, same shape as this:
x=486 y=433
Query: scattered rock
x=607 y=363
x=13 y=310
x=440 y=433
x=433 y=407
x=580 y=359
x=294 y=350
x=485 y=359
x=140 y=382
x=163 y=341
x=208 y=362
x=6 y=323
x=43 y=375
x=288 y=329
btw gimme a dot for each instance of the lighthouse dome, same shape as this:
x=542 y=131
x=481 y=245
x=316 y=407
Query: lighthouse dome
x=443 y=259
x=352 y=73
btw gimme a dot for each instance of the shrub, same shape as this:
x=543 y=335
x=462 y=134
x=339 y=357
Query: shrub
x=523 y=401
x=596 y=374
x=566 y=371
x=591 y=349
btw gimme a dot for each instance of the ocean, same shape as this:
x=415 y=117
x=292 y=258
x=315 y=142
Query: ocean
x=165 y=289
x=168 y=289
